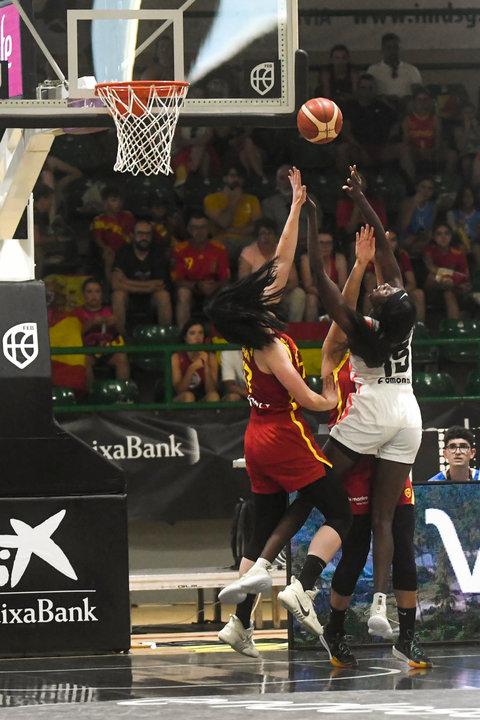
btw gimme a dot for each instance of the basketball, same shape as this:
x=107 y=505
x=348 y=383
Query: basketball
x=319 y=120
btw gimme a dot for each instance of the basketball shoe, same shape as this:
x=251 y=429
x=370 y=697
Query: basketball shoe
x=240 y=639
x=254 y=581
x=340 y=654
x=377 y=622
x=408 y=649
x=300 y=603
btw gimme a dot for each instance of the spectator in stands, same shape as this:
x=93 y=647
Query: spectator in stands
x=242 y=149
x=336 y=268
x=161 y=67
x=277 y=207
x=233 y=378
x=464 y=219
x=100 y=328
x=466 y=139
x=112 y=228
x=423 y=142
x=232 y=213
x=140 y=278
x=396 y=79
x=194 y=373
x=370 y=131
x=448 y=275
x=200 y=268
x=262 y=250
x=194 y=153
x=43 y=201
x=338 y=81
x=58 y=174
x=416 y=217
x=167 y=221
x=459 y=451
x=408 y=276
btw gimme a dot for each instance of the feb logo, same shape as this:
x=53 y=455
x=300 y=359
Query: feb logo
x=262 y=77
x=27 y=541
x=20 y=344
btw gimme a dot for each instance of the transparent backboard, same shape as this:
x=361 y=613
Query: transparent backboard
x=237 y=55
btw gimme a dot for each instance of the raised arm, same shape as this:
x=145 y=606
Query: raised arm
x=288 y=240
x=329 y=293
x=384 y=254
x=333 y=347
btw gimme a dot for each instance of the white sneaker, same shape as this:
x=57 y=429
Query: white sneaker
x=254 y=581
x=241 y=640
x=378 y=622
x=300 y=603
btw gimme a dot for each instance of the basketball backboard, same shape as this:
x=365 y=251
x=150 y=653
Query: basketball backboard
x=239 y=56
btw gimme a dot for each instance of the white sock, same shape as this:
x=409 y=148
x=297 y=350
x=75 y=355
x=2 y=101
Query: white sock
x=262 y=563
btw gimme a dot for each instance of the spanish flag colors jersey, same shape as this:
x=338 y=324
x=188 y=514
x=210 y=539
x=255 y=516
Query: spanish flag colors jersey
x=280 y=451
x=357 y=480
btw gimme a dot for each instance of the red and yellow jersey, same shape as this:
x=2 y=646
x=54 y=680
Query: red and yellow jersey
x=421 y=131
x=113 y=230
x=357 y=480
x=265 y=393
x=194 y=264
x=280 y=450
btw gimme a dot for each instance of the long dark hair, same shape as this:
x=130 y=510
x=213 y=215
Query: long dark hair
x=243 y=314
x=396 y=319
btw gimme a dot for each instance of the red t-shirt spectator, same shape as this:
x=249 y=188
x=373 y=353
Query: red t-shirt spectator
x=113 y=230
x=193 y=265
x=453 y=259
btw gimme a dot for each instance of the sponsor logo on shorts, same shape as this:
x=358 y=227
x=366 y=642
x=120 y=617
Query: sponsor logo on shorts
x=394 y=381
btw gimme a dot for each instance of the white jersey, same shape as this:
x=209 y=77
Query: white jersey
x=397 y=371
x=382 y=418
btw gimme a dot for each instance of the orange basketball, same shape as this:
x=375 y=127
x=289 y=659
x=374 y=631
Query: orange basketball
x=319 y=120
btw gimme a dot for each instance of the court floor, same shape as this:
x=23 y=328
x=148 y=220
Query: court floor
x=197 y=677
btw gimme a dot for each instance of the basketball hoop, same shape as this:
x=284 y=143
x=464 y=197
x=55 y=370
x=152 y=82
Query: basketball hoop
x=145 y=115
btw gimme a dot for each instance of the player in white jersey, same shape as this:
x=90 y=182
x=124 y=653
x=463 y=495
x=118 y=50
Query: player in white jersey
x=383 y=418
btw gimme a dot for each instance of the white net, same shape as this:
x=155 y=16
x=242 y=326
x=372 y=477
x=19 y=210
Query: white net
x=145 y=117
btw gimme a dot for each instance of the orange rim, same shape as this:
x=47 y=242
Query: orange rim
x=142 y=88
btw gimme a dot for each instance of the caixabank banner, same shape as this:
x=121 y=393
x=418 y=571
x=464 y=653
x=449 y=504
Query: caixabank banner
x=60 y=585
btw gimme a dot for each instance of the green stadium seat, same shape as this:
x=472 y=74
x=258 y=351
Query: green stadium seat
x=112 y=392
x=63 y=396
x=423 y=354
x=433 y=384
x=153 y=335
x=472 y=386
x=460 y=331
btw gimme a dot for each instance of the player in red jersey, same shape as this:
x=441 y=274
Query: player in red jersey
x=280 y=451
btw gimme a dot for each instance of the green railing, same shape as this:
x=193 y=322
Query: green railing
x=166 y=375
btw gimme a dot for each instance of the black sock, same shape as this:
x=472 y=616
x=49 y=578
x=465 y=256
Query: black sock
x=336 y=623
x=406 y=618
x=244 y=610
x=312 y=569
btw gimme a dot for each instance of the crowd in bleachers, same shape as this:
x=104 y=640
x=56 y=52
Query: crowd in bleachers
x=156 y=248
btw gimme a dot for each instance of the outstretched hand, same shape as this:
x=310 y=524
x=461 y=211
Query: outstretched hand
x=353 y=186
x=299 y=191
x=365 y=245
